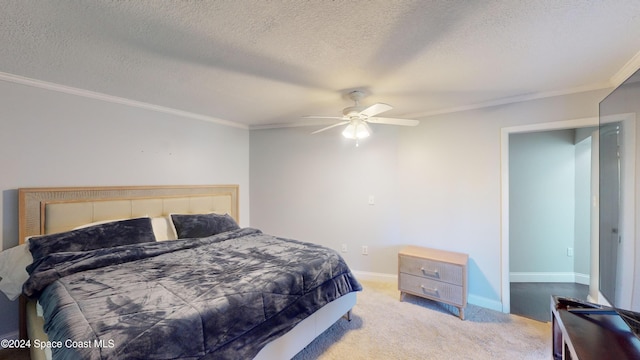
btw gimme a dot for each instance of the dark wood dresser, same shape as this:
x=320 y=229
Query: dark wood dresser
x=586 y=333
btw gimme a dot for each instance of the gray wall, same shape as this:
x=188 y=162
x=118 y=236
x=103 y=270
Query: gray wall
x=54 y=139
x=435 y=185
x=549 y=206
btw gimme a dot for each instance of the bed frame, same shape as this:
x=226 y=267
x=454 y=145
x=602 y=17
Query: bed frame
x=51 y=210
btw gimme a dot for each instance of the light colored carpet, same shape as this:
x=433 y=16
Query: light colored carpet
x=385 y=328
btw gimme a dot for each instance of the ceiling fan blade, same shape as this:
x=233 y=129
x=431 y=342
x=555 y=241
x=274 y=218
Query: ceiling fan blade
x=330 y=126
x=376 y=109
x=392 y=121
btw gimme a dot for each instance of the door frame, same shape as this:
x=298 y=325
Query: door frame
x=504 y=190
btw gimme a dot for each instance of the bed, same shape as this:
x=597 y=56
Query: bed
x=238 y=293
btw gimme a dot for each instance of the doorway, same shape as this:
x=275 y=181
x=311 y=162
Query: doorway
x=550 y=218
x=505 y=208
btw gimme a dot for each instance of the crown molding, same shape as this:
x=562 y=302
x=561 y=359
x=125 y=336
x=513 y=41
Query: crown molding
x=512 y=99
x=476 y=106
x=626 y=71
x=618 y=78
x=113 y=99
x=305 y=123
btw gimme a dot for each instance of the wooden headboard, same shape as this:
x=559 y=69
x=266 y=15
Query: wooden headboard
x=51 y=210
x=56 y=209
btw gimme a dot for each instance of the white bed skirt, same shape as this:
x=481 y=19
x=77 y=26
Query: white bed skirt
x=284 y=347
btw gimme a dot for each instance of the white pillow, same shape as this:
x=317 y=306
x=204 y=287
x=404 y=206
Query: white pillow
x=96 y=223
x=163 y=229
x=13 y=273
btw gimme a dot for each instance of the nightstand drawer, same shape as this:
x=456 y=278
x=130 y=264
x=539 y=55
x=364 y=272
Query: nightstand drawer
x=436 y=270
x=436 y=290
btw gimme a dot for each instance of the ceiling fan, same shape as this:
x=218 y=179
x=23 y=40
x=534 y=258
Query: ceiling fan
x=357 y=118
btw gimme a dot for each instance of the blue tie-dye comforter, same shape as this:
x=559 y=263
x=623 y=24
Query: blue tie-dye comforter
x=220 y=297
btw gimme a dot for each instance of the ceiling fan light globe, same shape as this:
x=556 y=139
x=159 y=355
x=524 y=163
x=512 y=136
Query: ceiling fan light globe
x=349 y=132
x=362 y=132
x=355 y=131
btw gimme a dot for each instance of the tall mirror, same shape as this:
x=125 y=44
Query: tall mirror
x=617 y=240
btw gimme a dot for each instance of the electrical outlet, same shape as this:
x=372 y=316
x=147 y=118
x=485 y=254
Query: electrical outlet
x=365 y=250
x=569 y=252
x=343 y=247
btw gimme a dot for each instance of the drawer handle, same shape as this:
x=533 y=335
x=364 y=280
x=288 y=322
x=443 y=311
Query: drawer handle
x=434 y=291
x=433 y=273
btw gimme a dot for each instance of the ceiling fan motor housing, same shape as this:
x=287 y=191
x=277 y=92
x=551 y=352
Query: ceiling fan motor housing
x=352 y=111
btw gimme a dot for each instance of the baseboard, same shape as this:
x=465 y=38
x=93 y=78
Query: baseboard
x=583 y=279
x=484 y=302
x=393 y=279
x=550 y=277
x=10 y=336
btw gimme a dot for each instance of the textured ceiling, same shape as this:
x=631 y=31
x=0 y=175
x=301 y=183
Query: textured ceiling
x=271 y=62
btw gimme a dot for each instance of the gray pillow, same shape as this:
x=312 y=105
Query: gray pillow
x=202 y=225
x=116 y=233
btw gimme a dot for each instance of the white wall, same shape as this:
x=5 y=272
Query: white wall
x=54 y=139
x=436 y=185
x=316 y=188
